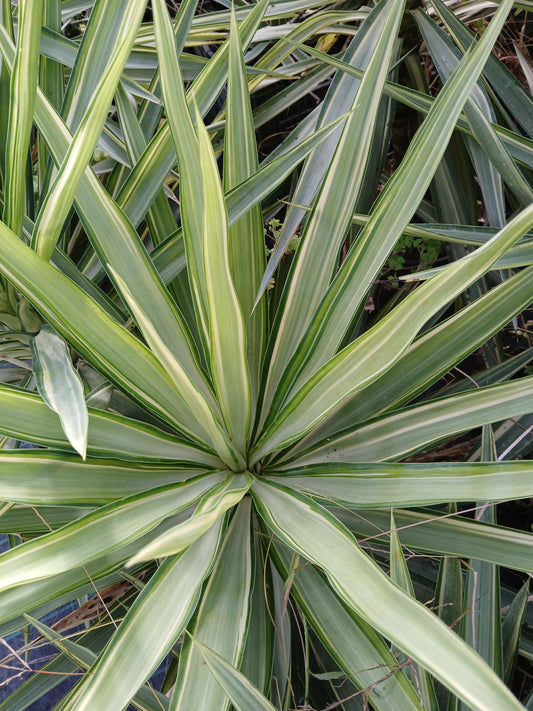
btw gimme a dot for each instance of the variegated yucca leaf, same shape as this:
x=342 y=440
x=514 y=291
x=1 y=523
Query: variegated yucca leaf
x=60 y=386
x=201 y=209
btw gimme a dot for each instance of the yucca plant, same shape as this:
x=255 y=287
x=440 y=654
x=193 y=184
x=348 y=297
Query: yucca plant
x=220 y=437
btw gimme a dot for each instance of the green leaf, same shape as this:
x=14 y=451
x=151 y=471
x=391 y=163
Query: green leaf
x=20 y=116
x=51 y=479
x=186 y=147
x=116 y=241
x=240 y=691
x=212 y=506
x=84 y=658
x=421 y=425
x=43 y=596
x=97 y=336
x=448 y=603
x=153 y=623
x=227 y=334
x=37 y=686
x=381 y=485
x=339 y=98
x=332 y=211
x=516 y=100
x=99 y=533
x=60 y=386
x=245 y=240
x=24 y=416
x=519 y=147
x=256 y=663
x=399 y=573
x=479 y=115
x=435 y=532
x=90 y=57
x=482 y=587
x=391 y=213
x=274 y=171
x=205 y=417
x=365 y=359
x=169 y=258
x=365 y=588
x=143 y=184
x=221 y=620
x=362 y=654
x=60 y=197
x=511 y=628
x=51 y=76
x=430 y=357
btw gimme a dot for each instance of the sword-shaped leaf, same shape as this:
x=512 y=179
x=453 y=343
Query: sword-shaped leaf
x=47 y=478
x=100 y=532
x=326 y=227
x=60 y=196
x=115 y=239
x=391 y=484
x=239 y=690
x=21 y=108
x=479 y=114
x=339 y=98
x=399 y=573
x=91 y=57
x=42 y=596
x=212 y=506
x=390 y=215
x=398 y=434
x=518 y=146
x=25 y=417
x=110 y=347
x=358 y=649
x=206 y=417
x=511 y=628
x=245 y=239
x=448 y=602
x=227 y=335
x=169 y=259
x=32 y=690
x=221 y=620
x=430 y=357
x=153 y=624
x=482 y=588
x=186 y=146
x=272 y=172
x=366 y=358
x=367 y=590
x=146 y=699
x=436 y=532
x=513 y=95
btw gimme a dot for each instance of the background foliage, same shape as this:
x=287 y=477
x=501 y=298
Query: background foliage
x=265 y=272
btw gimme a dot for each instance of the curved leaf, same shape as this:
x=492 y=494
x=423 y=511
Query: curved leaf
x=25 y=417
x=221 y=620
x=239 y=690
x=212 y=506
x=98 y=533
x=153 y=623
x=366 y=589
x=60 y=386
